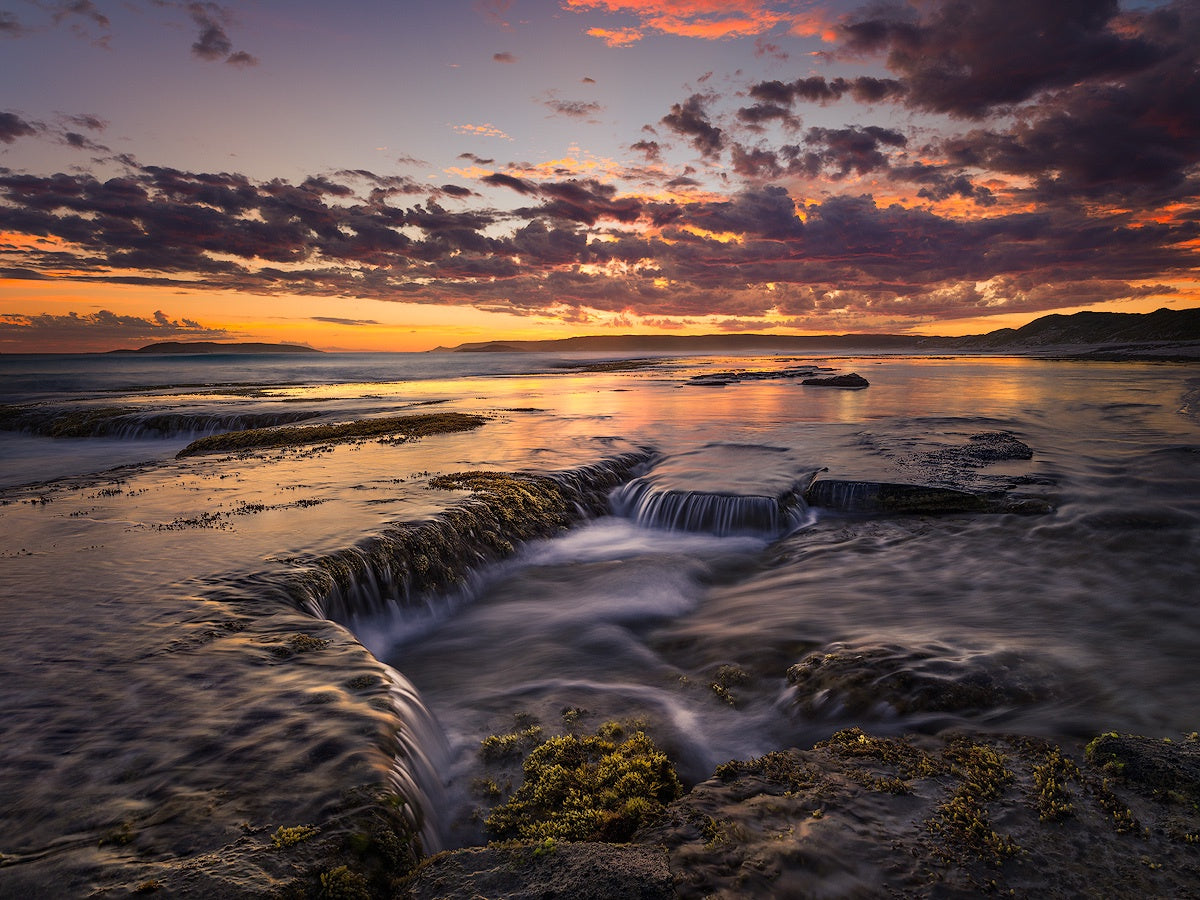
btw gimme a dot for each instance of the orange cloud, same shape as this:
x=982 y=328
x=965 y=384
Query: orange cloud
x=619 y=37
x=704 y=19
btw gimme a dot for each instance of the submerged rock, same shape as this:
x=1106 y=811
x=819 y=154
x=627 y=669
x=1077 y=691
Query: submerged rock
x=888 y=497
x=853 y=380
x=891 y=680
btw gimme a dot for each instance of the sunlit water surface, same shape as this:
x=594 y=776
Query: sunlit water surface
x=147 y=618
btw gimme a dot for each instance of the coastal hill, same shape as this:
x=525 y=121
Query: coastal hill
x=209 y=347
x=1163 y=331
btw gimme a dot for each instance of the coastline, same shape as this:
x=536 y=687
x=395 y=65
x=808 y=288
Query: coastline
x=747 y=808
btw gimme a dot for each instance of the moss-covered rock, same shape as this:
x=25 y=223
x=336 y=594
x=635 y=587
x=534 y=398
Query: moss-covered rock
x=393 y=427
x=589 y=788
x=408 y=561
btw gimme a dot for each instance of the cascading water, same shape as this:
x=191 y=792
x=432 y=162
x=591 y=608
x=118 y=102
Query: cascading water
x=409 y=565
x=720 y=489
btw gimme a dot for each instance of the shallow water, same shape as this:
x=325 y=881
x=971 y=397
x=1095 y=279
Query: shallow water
x=151 y=623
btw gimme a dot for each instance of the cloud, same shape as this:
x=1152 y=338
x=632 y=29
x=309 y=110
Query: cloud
x=690 y=120
x=969 y=58
x=13 y=126
x=617 y=37
x=504 y=57
x=572 y=109
x=10 y=25
x=99 y=330
x=700 y=19
x=90 y=122
x=353 y=322
x=487 y=129
x=499 y=179
x=82 y=142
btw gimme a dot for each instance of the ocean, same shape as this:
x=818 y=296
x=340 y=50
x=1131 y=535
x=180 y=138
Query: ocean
x=175 y=680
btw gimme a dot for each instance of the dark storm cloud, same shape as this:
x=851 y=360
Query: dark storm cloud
x=1135 y=139
x=584 y=201
x=966 y=58
x=341 y=235
x=690 y=120
x=817 y=89
x=13 y=126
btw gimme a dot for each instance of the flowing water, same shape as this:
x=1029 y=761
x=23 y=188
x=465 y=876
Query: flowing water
x=164 y=675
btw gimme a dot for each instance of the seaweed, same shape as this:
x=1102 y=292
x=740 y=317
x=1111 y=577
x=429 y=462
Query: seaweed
x=588 y=789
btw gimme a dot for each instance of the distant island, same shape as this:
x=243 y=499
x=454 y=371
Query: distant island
x=1162 y=334
x=190 y=347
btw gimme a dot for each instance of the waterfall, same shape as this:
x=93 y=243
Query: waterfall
x=713 y=513
x=409 y=565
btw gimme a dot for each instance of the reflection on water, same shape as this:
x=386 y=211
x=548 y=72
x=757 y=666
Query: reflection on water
x=150 y=643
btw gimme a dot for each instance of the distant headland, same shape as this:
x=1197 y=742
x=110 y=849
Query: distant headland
x=1162 y=334
x=208 y=347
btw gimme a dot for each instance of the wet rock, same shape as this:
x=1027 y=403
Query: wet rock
x=1168 y=768
x=886 y=497
x=407 y=561
x=964 y=815
x=853 y=380
x=994 y=446
x=582 y=871
x=891 y=680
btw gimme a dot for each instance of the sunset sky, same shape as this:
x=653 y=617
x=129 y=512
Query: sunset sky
x=402 y=174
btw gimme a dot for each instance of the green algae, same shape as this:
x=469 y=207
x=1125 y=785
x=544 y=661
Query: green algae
x=1051 y=779
x=588 y=789
x=497 y=747
x=393 y=427
x=290 y=836
x=963 y=819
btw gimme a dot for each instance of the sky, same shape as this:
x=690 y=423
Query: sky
x=404 y=174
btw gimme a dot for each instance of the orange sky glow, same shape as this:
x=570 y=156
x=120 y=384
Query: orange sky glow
x=531 y=169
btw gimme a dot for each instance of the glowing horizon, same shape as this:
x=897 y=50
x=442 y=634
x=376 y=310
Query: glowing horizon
x=384 y=179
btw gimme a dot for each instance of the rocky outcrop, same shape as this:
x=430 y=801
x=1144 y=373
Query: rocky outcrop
x=892 y=498
x=853 y=380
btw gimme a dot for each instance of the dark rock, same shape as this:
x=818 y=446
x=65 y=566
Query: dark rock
x=853 y=380
x=890 y=680
x=1166 y=767
x=581 y=871
x=995 y=446
x=885 y=497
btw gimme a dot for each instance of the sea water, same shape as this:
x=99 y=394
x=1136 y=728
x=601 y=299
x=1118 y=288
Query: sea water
x=154 y=672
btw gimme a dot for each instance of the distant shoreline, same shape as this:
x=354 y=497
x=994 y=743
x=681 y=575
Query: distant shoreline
x=1161 y=335
x=216 y=347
